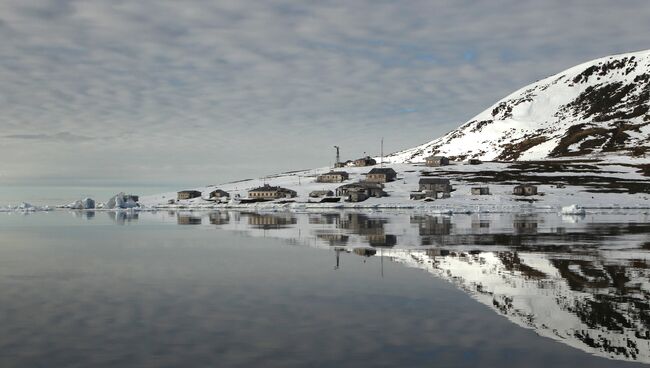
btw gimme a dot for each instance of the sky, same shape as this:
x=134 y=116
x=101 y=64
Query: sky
x=197 y=92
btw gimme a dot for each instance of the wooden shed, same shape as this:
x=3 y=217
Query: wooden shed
x=436 y=161
x=525 y=190
x=188 y=194
x=480 y=191
x=333 y=177
x=271 y=192
x=381 y=175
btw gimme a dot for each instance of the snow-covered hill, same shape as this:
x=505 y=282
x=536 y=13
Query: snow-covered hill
x=599 y=107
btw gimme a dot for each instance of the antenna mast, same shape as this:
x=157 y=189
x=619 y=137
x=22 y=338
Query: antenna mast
x=382 y=152
x=338 y=158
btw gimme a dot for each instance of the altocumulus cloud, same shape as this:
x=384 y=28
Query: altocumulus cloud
x=198 y=91
x=66 y=137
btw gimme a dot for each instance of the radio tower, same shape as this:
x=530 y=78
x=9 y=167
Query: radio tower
x=382 y=152
x=338 y=158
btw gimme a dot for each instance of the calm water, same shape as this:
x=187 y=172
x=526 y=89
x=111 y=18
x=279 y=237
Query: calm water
x=231 y=289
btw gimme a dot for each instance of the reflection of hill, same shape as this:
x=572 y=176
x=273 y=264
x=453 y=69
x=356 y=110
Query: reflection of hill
x=591 y=303
x=582 y=281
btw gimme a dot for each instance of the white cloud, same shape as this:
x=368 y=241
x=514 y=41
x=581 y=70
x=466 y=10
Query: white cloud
x=217 y=90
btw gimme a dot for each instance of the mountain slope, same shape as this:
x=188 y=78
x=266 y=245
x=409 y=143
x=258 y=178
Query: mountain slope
x=599 y=107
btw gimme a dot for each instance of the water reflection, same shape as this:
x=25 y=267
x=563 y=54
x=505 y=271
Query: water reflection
x=271 y=221
x=583 y=281
x=188 y=219
x=123 y=217
x=589 y=301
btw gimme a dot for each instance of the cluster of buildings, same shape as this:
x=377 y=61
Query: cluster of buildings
x=429 y=188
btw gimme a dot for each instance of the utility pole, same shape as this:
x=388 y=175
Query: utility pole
x=382 y=152
x=338 y=158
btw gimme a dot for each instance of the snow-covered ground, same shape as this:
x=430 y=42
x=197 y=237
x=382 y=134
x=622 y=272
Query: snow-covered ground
x=594 y=109
x=463 y=178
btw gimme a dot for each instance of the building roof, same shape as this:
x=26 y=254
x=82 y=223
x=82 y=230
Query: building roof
x=382 y=170
x=363 y=184
x=435 y=157
x=268 y=188
x=189 y=191
x=525 y=185
x=434 y=181
x=321 y=191
x=366 y=159
x=342 y=173
x=220 y=191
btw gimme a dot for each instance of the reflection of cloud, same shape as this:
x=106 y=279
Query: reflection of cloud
x=197 y=77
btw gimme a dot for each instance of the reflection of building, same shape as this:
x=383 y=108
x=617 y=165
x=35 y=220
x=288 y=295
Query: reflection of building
x=269 y=221
x=334 y=239
x=324 y=218
x=219 y=218
x=361 y=224
x=382 y=240
x=364 y=252
x=479 y=225
x=432 y=225
x=269 y=192
x=182 y=219
x=525 y=224
x=370 y=227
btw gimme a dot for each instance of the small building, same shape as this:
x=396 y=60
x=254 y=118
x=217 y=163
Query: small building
x=474 y=161
x=435 y=184
x=270 y=192
x=218 y=194
x=480 y=191
x=188 y=194
x=343 y=164
x=333 y=177
x=381 y=175
x=358 y=192
x=365 y=161
x=525 y=190
x=436 y=161
x=434 y=188
x=321 y=193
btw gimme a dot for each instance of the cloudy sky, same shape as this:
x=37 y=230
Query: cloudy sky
x=197 y=92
